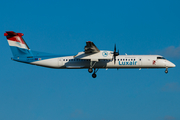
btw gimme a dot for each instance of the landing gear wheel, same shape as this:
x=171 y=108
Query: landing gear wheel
x=94 y=75
x=90 y=70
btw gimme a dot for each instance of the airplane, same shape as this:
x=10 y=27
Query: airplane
x=91 y=58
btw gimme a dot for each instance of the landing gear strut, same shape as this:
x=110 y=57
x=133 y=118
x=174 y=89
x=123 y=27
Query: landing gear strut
x=166 y=71
x=90 y=70
x=94 y=74
x=92 y=63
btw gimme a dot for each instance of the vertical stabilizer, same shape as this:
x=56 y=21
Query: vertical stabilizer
x=18 y=46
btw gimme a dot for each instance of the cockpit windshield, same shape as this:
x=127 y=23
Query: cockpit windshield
x=161 y=58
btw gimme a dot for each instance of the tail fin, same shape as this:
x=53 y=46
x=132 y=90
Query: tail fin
x=17 y=44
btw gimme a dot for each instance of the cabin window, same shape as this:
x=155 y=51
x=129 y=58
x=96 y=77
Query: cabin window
x=131 y=59
x=118 y=59
x=63 y=59
x=139 y=59
x=128 y=59
x=134 y=59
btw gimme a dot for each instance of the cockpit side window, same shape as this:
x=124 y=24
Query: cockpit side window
x=161 y=58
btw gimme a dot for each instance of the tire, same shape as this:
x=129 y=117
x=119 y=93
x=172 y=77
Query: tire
x=94 y=75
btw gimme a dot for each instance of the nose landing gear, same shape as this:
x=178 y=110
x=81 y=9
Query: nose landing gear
x=166 y=71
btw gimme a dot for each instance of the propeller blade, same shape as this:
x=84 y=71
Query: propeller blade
x=115 y=48
x=114 y=59
x=115 y=54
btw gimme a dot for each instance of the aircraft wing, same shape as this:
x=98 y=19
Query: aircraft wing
x=90 y=48
x=93 y=53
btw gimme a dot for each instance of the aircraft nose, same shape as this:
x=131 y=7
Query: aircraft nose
x=170 y=64
x=173 y=65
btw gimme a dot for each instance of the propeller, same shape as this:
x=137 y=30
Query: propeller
x=115 y=53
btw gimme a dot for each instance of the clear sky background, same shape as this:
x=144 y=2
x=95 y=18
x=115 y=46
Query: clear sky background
x=30 y=92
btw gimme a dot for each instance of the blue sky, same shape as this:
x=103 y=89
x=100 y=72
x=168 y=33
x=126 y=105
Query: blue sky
x=137 y=27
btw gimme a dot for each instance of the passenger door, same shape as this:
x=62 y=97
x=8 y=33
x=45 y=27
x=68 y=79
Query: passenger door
x=61 y=62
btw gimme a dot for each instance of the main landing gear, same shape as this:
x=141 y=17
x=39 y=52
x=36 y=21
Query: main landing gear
x=166 y=71
x=90 y=70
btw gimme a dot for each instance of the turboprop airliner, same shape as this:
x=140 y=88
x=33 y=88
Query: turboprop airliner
x=91 y=58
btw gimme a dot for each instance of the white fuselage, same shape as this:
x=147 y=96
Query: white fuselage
x=121 y=61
